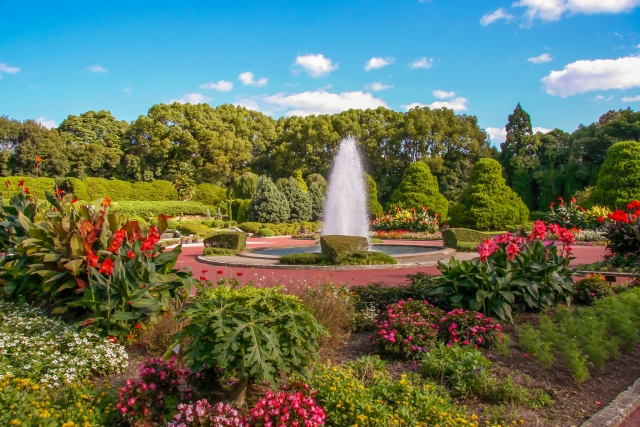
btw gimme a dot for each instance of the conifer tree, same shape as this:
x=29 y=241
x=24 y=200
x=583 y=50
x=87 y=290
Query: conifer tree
x=268 y=205
x=317 y=196
x=375 y=207
x=300 y=204
x=419 y=188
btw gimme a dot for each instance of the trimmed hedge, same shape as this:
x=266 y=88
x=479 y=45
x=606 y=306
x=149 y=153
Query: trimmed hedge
x=40 y=186
x=619 y=177
x=160 y=190
x=454 y=237
x=194 y=227
x=366 y=258
x=250 y=227
x=94 y=188
x=537 y=215
x=219 y=252
x=335 y=246
x=305 y=259
x=153 y=209
x=266 y=232
x=236 y=241
x=211 y=195
x=467 y=247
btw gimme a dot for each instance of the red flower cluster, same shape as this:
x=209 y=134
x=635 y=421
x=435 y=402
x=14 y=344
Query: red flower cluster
x=91 y=259
x=152 y=238
x=286 y=410
x=106 y=267
x=118 y=238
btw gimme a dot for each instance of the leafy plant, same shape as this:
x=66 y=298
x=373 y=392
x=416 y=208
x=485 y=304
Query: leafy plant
x=249 y=333
x=592 y=288
x=623 y=232
x=286 y=410
x=406 y=220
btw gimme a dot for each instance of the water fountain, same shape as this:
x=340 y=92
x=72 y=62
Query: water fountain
x=346 y=212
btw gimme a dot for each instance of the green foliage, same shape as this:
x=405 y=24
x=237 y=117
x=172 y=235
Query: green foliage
x=185 y=186
x=300 y=206
x=266 y=232
x=158 y=190
x=297 y=175
x=317 y=195
x=250 y=227
x=305 y=259
x=591 y=289
x=379 y=295
x=537 y=215
x=245 y=186
x=269 y=204
x=38 y=186
x=236 y=241
x=619 y=177
x=363 y=392
x=274 y=332
x=375 y=208
x=209 y=194
x=337 y=246
x=455 y=237
x=315 y=178
x=152 y=209
x=194 y=227
x=365 y=258
x=488 y=203
x=219 y=252
x=418 y=189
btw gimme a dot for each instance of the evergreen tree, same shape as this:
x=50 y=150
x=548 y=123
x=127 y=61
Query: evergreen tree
x=300 y=204
x=419 y=188
x=317 y=195
x=268 y=205
x=518 y=126
x=375 y=207
x=488 y=203
x=315 y=177
x=245 y=186
x=298 y=176
x=619 y=179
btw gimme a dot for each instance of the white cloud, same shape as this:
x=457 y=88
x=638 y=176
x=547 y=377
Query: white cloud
x=441 y=94
x=46 y=122
x=127 y=90
x=456 y=104
x=631 y=98
x=97 y=69
x=221 y=86
x=422 y=63
x=497 y=135
x=192 y=98
x=316 y=65
x=540 y=59
x=537 y=129
x=376 y=86
x=4 y=68
x=602 y=98
x=375 y=63
x=553 y=10
x=247 y=79
x=311 y=102
x=600 y=74
x=490 y=18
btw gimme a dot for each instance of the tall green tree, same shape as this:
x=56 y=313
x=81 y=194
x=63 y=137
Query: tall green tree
x=418 y=189
x=269 y=204
x=244 y=186
x=518 y=127
x=317 y=195
x=375 y=208
x=300 y=205
x=619 y=179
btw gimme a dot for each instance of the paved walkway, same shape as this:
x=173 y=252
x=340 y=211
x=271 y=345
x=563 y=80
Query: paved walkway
x=270 y=277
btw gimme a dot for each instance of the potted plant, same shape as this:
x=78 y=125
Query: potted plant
x=197 y=239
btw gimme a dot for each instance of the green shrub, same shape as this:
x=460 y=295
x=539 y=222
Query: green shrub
x=275 y=332
x=537 y=215
x=379 y=295
x=418 y=189
x=210 y=194
x=266 y=232
x=153 y=209
x=219 y=252
x=488 y=203
x=466 y=247
x=236 y=241
x=453 y=237
x=619 y=177
x=218 y=223
x=250 y=227
x=337 y=246
x=305 y=259
x=269 y=204
x=158 y=190
x=40 y=186
x=300 y=206
x=96 y=188
x=229 y=224
x=375 y=208
x=192 y=227
x=365 y=258
x=207 y=223
x=317 y=196
x=591 y=289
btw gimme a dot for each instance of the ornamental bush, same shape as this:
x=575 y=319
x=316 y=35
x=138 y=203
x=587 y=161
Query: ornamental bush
x=590 y=289
x=269 y=204
x=337 y=246
x=210 y=194
x=266 y=232
x=317 y=195
x=234 y=240
x=418 y=189
x=130 y=209
x=622 y=231
x=157 y=191
x=375 y=208
x=407 y=220
x=300 y=206
x=619 y=177
x=488 y=203
x=274 y=332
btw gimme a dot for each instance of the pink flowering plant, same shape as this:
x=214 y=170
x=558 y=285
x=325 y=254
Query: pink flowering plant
x=203 y=414
x=284 y=409
x=512 y=272
x=409 y=328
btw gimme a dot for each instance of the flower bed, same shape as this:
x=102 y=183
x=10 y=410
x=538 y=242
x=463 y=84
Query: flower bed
x=407 y=220
x=405 y=235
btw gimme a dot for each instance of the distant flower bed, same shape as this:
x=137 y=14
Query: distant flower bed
x=405 y=235
x=406 y=220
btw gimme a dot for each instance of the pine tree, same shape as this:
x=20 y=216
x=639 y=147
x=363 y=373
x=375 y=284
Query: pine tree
x=518 y=126
x=419 y=188
x=299 y=202
x=268 y=205
x=317 y=195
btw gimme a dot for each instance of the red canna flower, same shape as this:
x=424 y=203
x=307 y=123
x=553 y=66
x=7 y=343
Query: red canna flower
x=38 y=159
x=21 y=183
x=74 y=200
x=7 y=183
x=26 y=191
x=91 y=259
x=220 y=272
x=106 y=267
x=106 y=202
x=131 y=255
x=59 y=191
x=239 y=274
x=137 y=325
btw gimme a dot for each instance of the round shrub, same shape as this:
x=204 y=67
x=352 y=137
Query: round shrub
x=591 y=289
x=266 y=232
x=488 y=203
x=217 y=223
x=305 y=259
x=619 y=177
x=210 y=194
x=230 y=224
x=419 y=188
x=250 y=227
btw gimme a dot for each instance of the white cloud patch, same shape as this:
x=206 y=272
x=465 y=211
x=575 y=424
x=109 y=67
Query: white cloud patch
x=553 y=10
x=376 y=86
x=540 y=59
x=311 y=102
x=247 y=79
x=192 y=98
x=537 y=129
x=97 y=69
x=602 y=98
x=315 y=65
x=46 y=122
x=422 y=63
x=497 y=135
x=456 y=104
x=127 y=90
x=631 y=98
x=600 y=74
x=4 y=68
x=441 y=94
x=490 y=18
x=376 y=63
x=220 y=86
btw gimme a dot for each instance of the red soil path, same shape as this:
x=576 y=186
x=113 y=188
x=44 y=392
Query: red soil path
x=269 y=277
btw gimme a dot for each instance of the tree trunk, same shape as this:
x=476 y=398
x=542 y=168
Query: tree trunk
x=239 y=394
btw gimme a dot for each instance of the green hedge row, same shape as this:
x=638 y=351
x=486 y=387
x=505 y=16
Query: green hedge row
x=464 y=239
x=153 y=209
x=39 y=186
x=284 y=229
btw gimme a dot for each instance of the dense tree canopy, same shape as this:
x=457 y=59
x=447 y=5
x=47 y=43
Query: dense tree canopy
x=619 y=178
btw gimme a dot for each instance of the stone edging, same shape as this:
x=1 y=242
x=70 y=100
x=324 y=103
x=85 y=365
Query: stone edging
x=618 y=410
x=204 y=260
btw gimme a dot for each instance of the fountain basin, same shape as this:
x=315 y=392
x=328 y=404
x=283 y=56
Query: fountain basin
x=389 y=249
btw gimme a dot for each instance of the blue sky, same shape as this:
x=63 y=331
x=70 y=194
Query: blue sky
x=565 y=61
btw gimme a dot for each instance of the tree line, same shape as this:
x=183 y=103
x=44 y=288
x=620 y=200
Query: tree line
x=217 y=145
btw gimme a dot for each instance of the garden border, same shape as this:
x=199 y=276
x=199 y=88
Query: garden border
x=616 y=412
